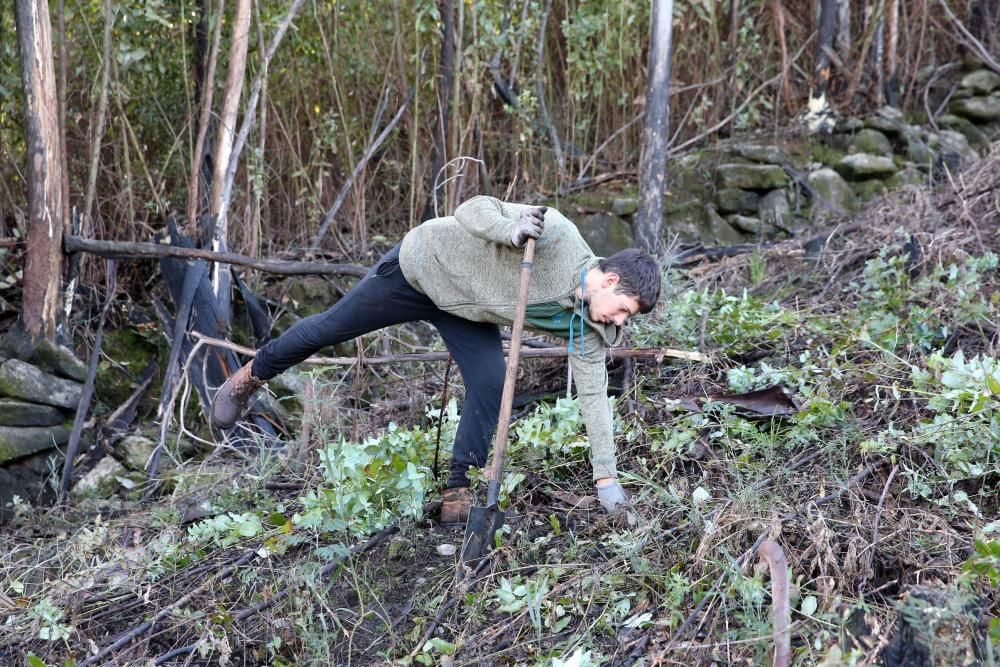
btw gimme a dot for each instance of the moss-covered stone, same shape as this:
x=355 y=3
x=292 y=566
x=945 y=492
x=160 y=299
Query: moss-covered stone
x=887 y=120
x=19 y=441
x=862 y=166
x=872 y=142
x=624 y=206
x=22 y=413
x=979 y=109
x=763 y=153
x=25 y=381
x=953 y=149
x=101 y=480
x=60 y=360
x=981 y=81
x=132 y=349
x=136 y=450
x=751 y=176
x=719 y=230
x=686 y=220
x=747 y=224
x=734 y=200
x=871 y=188
x=976 y=136
x=832 y=196
x=775 y=210
x=605 y=233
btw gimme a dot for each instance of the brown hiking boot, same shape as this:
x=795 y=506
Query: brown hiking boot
x=231 y=400
x=455 y=505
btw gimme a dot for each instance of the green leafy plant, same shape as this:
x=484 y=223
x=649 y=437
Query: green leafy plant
x=225 y=529
x=735 y=323
x=368 y=485
x=49 y=621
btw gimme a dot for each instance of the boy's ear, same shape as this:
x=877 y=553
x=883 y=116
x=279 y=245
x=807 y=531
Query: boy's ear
x=611 y=279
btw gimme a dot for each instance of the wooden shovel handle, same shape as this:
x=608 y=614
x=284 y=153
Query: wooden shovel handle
x=507 y=399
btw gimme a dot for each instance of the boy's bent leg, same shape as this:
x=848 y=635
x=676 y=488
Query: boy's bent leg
x=478 y=352
x=382 y=298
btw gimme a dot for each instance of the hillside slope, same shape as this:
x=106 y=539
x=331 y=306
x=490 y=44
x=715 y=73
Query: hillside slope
x=876 y=476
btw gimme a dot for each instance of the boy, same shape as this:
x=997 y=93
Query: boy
x=461 y=274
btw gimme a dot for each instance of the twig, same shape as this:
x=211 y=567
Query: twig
x=369 y=152
x=771 y=553
x=185 y=303
x=204 y=115
x=543 y=109
x=878 y=513
x=327 y=569
x=970 y=41
x=131 y=635
x=656 y=353
x=88 y=385
x=251 y=109
x=444 y=404
x=749 y=553
x=102 y=114
x=139 y=250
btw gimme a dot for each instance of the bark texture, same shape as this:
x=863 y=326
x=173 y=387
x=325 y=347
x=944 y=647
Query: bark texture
x=655 y=140
x=43 y=268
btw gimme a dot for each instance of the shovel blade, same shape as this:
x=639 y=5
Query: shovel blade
x=483 y=524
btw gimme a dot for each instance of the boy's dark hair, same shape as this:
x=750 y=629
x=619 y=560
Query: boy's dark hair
x=639 y=276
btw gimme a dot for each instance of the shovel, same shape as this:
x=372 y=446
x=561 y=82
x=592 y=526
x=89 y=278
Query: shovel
x=484 y=522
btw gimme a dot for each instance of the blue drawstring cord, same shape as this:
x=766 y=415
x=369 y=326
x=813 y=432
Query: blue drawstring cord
x=583 y=294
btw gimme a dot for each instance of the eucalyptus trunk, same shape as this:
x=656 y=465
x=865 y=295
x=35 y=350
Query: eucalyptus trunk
x=820 y=115
x=221 y=284
x=446 y=73
x=655 y=139
x=44 y=164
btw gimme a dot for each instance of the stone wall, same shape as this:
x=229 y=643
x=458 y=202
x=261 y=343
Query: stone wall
x=765 y=188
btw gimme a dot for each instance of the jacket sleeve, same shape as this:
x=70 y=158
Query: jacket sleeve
x=590 y=375
x=488 y=218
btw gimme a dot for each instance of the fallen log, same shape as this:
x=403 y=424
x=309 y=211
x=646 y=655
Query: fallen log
x=140 y=250
x=533 y=353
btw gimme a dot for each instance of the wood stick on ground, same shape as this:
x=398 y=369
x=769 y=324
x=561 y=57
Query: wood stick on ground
x=536 y=353
x=863 y=474
x=772 y=554
x=878 y=516
x=134 y=633
x=327 y=569
x=88 y=386
x=139 y=250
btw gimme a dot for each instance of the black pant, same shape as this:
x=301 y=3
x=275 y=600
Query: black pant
x=383 y=297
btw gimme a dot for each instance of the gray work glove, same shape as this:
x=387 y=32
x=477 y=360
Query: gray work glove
x=613 y=498
x=529 y=225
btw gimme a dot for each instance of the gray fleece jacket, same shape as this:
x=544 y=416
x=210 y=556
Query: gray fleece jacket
x=468 y=266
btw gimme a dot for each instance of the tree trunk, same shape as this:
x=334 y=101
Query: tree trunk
x=446 y=71
x=655 y=140
x=61 y=96
x=99 y=121
x=820 y=115
x=891 y=60
x=43 y=267
x=844 y=29
x=878 y=51
x=227 y=132
x=206 y=56
x=778 y=9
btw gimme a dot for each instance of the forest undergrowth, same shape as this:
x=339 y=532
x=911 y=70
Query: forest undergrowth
x=881 y=331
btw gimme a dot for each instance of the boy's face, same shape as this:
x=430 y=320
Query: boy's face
x=610 y=307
